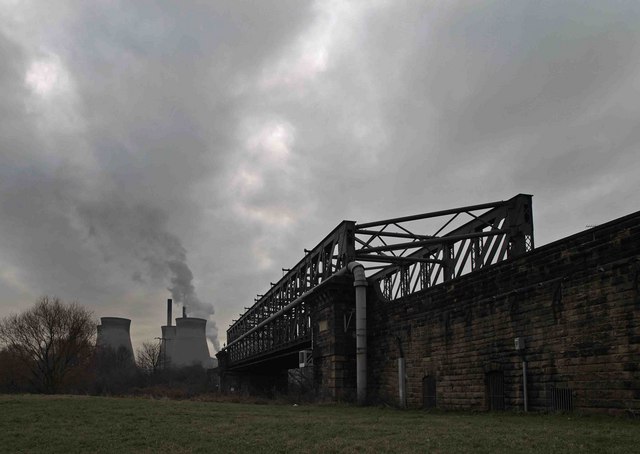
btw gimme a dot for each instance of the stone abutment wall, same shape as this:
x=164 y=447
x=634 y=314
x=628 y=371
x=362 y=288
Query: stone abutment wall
x=574 y=303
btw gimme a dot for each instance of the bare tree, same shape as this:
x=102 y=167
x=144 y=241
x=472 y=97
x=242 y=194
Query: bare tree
x=148 y=357
x=52 y=340
x=14 y=376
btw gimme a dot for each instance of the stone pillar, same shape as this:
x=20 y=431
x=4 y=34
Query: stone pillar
x=334 y=344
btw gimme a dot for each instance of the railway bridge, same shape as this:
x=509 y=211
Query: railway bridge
x=309 y=315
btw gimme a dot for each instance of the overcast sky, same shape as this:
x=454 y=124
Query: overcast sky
x=198 y=147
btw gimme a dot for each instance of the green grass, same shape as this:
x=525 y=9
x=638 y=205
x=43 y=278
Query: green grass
x=72 y=424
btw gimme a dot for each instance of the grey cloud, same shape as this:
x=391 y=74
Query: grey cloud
x=410 y=107
x=156 y=89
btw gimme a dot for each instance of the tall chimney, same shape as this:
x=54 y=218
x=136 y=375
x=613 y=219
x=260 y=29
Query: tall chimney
x=169 y=308
x=184 y=311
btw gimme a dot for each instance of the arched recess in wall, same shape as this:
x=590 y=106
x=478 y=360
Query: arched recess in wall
x=429 y=392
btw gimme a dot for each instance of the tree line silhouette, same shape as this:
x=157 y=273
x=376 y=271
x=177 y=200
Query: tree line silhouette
x=51 y=348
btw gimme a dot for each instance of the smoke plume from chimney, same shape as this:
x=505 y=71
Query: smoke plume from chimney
x=122 y=230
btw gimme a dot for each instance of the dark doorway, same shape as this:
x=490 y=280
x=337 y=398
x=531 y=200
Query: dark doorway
x=495 y=390
x=428 y=392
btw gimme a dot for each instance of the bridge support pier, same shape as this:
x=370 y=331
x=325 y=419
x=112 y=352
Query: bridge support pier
x=332 y=308
x=334 y=344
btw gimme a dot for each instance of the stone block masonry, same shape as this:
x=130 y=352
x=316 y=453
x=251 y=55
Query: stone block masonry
x=574 y=303
x=334 y=349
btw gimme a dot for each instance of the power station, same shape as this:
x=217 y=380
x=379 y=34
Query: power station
x=184 y=344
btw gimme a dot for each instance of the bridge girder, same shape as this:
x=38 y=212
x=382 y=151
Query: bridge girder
x=400 y=255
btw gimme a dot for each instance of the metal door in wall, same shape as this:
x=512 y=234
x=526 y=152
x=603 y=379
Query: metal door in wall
x=495 y=390
x=428 y=392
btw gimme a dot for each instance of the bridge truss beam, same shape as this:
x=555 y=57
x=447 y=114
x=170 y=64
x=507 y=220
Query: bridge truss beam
x=464 y=239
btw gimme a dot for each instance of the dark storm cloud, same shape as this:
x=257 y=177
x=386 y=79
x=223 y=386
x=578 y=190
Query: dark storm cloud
x=421 y=107
x=154 y=91
x=497 y=97
x=199 y=147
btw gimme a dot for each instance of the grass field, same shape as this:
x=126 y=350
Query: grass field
x=71 y=424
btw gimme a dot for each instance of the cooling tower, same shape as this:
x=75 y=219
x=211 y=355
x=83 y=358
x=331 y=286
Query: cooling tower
x=114 y=333
x=186 y=343
x=166 y=347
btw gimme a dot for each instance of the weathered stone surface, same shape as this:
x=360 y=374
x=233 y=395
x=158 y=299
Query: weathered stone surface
x=575 y=302
x=333 y=342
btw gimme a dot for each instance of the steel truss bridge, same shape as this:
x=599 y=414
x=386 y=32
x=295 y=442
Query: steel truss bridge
x=402 y=255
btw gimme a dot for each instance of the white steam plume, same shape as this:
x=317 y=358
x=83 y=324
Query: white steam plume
x=133 y=235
